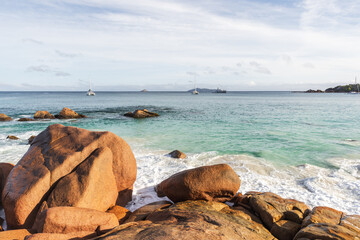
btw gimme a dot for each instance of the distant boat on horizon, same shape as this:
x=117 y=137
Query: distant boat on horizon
x=357 y=85
x=195 y=92
x=90 y=92
x=219 y=90
x=144 y=90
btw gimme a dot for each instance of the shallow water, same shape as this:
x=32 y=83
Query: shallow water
x=303 y=146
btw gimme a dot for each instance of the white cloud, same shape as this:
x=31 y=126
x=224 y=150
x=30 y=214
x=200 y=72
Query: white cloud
x=157 y=42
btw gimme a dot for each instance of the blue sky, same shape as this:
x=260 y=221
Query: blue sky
x=163 y=45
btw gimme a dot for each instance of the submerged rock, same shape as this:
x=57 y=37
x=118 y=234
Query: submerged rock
x=213 y=183
x=12 y=137
x=141 y=114
x=177 y=154
x=4 y=117
x=67 y=113
x=55 y=154
x=43 y=115
x=25 y=119
x=193 y=220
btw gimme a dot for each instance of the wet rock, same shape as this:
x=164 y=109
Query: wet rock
x=4 y=117
x=25 y=120
x=193 y=220
x=272 y=208
x=31 y=139
x=213 y=183
x=326 y=231
x=55 y=153
x=177 y=154
x=12 y=137
x=323 y=215
x=285 y=229
x=72 y=219
x=351 y=222
x=141 y=114
x=5 y=169
x=43 y=115
x=143 y=212
x=120 y=212
x=67 y=113
x=92 y=185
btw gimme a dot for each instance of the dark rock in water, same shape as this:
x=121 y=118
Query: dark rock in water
x=57 y=153
x=67 y=113
x=213 y=183
x=4 y=117
x=177 y=154
x=201 y=220
x=141 y=114
x=43 y=115
x=11 y=137
x=31 y=139
x=26 y=119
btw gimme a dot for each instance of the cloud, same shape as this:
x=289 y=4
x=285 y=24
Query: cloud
x=308 y=65
x=66 y=55
x=252 y=83
x=286 y=58
x=29 y=40
x=47 y=69
x=257 y=67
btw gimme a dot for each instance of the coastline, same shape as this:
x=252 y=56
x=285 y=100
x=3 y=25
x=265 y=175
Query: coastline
x=245 y=202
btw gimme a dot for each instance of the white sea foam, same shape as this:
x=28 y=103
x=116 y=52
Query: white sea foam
x=338 y=188
x=316 y=186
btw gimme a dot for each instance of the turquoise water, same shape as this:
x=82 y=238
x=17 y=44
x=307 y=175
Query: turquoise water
x=302 y=146
x=283 y=127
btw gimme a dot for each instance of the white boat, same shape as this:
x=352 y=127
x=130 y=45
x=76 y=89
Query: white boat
x=195 y=92
x=90 y=92
x=357 y=85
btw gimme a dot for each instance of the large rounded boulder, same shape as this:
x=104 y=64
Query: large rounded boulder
x=61 y=155
x=43 y=115
x=213 y=183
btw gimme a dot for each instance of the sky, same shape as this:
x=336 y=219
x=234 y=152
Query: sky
x=249 y=45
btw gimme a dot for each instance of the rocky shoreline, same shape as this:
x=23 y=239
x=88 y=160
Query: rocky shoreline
x=73 y=184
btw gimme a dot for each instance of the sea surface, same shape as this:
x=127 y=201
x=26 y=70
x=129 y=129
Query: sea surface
x=302 y=146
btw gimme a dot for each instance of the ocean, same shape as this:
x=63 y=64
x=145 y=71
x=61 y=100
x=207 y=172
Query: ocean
x=297 y=145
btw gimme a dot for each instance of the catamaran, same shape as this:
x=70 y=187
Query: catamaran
x=90 y=92
x=195 y=91
x=357 y=86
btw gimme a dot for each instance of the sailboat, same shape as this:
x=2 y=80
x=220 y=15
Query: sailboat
x=195 y=92
x=357 y=85
x=90 y=92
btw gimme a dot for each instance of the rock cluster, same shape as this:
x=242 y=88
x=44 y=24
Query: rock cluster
x=68 y=166
x=4 y=117
x=73 y=184
x=43 y=115
x=65 y=113
x=144 y=113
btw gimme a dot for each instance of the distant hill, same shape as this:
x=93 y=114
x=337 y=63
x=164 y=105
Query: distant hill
x=203 y=90
x=344 y=88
